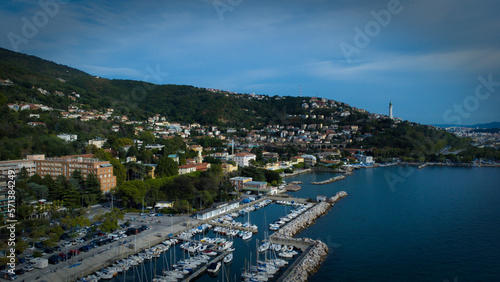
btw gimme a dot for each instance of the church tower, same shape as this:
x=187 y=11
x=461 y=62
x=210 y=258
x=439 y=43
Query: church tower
x=390 y=110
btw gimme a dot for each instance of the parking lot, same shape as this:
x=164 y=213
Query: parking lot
x=100 y=254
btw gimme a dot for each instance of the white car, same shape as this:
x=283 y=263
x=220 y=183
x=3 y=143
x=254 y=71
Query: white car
x=79 y=240
x=28 y=268
x=67 y=244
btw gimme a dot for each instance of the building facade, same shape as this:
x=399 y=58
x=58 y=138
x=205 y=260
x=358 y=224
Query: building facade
x=238 y=182
x=243 y=159
x=17 y=165
x=66 y=165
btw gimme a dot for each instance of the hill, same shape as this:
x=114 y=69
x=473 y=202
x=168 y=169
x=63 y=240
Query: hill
x=65 y=89
x=136 y=99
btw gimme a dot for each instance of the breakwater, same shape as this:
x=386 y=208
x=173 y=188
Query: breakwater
x=331 y=180
x=308 y=264
x=315 y=250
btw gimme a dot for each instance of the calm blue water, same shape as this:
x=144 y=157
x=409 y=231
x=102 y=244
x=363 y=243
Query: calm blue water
x=433 y=224
x=397 y=224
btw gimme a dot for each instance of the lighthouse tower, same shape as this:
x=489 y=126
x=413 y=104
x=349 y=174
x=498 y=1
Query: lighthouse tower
x=390 y=110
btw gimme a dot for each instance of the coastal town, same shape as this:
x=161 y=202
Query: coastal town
x=249 y=164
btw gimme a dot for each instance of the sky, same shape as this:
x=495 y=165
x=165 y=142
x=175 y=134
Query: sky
x=438 y=61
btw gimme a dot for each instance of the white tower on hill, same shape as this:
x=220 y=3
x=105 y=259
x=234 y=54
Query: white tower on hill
x=390 y=110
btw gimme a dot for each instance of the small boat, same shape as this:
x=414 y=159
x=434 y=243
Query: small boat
x=214 y=267
x=210 y=253
x=247 y=236
x=104 y=275
x=228 y=258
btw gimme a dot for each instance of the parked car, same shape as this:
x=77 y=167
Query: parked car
x=28 y=268
x=56 y=248
x=54 y=259
x=67 y=244
x=19 y=271
x=63 y=256
x=85 y=248
x=48 y=250
x=8 y=275
x=79 y=240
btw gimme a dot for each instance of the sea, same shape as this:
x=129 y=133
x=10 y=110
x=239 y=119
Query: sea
x=397 y=223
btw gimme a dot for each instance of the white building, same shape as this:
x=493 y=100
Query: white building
x=243 y=159
x=365 y=159
x=68 y=137
x=217 y=209
x=309 y=159
x=97 y=142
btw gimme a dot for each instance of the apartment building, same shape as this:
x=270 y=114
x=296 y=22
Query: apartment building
x=66 y=165
x=17 y=165
x=243 y=159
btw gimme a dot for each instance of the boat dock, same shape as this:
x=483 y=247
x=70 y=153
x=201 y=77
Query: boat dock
x=292 y=188
x=202 y=269
x=227 y=225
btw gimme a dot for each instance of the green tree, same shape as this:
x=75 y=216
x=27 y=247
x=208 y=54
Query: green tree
x=167 y=167
x=25 y=211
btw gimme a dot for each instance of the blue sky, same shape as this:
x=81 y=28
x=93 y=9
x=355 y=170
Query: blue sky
x=426 y=56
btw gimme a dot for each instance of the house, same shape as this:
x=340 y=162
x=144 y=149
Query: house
x=228 y=168
x=14 y=107
x=259 y=187
x=243 y=159
x=238 y=182
x=36 y=123
x=97 y=142
x=202 y=166
x=297 y=159
x=68 y=137
x=185 y=169
x=174 y=157
x=309 y=159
